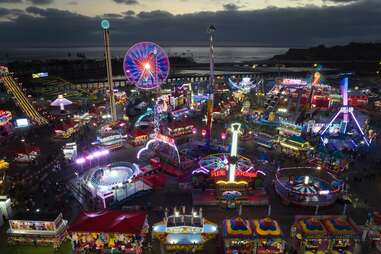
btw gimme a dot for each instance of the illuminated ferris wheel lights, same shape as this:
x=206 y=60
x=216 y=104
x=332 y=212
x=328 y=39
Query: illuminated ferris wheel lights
x=147 y=66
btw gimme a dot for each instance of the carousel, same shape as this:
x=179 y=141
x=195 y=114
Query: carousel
x=305 y=186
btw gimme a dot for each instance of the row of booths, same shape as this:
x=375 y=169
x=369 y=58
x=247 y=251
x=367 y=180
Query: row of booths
x=125 y=231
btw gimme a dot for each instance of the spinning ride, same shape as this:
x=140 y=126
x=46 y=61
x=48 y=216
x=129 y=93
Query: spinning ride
x=307 y=186
x=245 y=85
x=146 y=65
x=105 y=178
x=343 y=135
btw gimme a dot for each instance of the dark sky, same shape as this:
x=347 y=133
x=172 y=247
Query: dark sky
x=26 y=23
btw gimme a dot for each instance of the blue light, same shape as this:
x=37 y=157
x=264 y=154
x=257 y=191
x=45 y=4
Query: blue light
x=105 y=24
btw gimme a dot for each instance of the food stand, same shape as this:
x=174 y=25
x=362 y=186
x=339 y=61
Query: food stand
x=38 y=229
x=268 y=236
x=184 y=232
x=238 y=236
x=107 y=230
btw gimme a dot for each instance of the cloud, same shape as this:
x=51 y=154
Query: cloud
x=4 y=12
x=298 y=26
x=129 y=13
x=231 y=7
x=11 y=1
x=128 y=2
x=41 y=2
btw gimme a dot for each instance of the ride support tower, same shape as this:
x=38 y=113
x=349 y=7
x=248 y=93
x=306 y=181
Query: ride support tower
x=210 y=104
x=106 y=36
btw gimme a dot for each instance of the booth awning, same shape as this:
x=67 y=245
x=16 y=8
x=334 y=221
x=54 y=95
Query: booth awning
x=110 y=222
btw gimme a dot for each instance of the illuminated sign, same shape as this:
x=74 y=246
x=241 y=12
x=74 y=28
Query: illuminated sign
x=165 y=139
x=22 y=122
x=238 y=173
x=40 y=75
x=294 y=82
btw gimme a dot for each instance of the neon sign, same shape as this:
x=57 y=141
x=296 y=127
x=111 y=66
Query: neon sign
x=165 y=139
x=294 y=82
x=246 y=174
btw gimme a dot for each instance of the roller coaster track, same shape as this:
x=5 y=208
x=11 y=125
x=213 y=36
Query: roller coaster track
x=25 y=105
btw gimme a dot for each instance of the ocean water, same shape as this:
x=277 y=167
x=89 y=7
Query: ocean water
x=199 y=54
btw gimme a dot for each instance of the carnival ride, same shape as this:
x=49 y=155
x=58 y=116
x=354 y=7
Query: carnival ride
x=5 y=122
x=163 y=147
x=307 y=186
x=118 y=180
x=61 y=102
x=245 y=85
x=146 y=65
x=346 y=111
x=231 y=165
x=22 y=100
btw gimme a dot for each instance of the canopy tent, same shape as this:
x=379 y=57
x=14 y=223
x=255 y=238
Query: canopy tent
x=267 y=227
x=110 y=222
x=237 y=228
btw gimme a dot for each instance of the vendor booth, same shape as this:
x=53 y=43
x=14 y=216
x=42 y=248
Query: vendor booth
x=109 y=230
x=325 y=234
x=37 y=229
x=238 y=236
x=184 y=232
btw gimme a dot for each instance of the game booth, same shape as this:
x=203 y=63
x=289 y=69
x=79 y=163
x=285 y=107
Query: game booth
x=178 y=129
x=238 y=236
x=38 y=229
x=268 y=236
x=325 y=234
x=108 y=231
x=295 y=145
x=253 y=236
x=184 y=232
x=374 y=227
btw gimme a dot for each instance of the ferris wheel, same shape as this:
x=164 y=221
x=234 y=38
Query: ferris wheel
x=146 y=65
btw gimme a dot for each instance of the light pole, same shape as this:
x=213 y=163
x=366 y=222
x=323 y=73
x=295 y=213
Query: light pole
x=105 y=24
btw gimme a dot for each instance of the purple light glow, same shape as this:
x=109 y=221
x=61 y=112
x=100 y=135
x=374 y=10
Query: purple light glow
x=80 y=160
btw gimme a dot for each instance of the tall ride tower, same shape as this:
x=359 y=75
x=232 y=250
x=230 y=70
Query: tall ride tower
x=105 y=24
x=210 y=104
